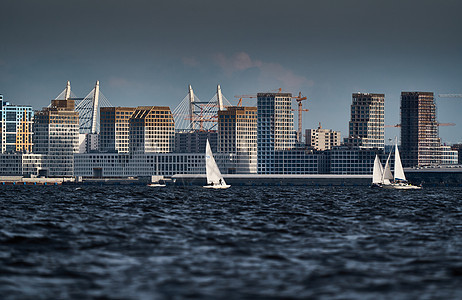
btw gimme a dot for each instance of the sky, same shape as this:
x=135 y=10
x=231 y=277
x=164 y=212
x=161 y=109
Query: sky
x=148 y=52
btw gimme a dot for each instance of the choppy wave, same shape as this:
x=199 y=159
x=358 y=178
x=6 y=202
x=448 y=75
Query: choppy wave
x=135 y=242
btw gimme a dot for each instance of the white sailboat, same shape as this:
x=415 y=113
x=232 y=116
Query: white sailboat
x=214 y=178
x=387 y=175
x=399 y=179
x=157 y=184
x=377 y=173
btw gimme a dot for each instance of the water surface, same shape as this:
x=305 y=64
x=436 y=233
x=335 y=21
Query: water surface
x=135 y=242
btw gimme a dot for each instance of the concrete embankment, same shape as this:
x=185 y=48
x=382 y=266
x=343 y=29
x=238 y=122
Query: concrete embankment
x=19 y=180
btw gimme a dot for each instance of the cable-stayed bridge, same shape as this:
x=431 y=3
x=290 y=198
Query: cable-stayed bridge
x=87 y=107
x=193 y=114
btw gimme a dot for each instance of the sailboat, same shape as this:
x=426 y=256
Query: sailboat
x=389 y=180
x=214 y=178
x=377 y=173
x=160 y=183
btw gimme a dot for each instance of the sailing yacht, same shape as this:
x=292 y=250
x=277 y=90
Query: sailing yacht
x=389 y=180
x=214 y=178
x=377 y=173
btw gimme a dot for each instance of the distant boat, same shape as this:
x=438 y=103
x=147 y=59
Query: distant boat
x=214 y=178
x=385 y=179
x=156 y=184
x=377 y=173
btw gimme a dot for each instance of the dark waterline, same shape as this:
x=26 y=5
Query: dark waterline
x=246 y=242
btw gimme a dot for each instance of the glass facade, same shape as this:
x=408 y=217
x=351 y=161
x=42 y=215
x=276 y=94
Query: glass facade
x=275 y=129
x=16 y=127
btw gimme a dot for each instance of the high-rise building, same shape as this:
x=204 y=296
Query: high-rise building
x=114 y=128
x=322 y=139
x=275 y=128
x=151 y=129
x=237 y=134
x=56 y=135
x=367 y=127
x=16 y=127
x=420 y=144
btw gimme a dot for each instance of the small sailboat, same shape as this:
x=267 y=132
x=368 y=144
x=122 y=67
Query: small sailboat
x=377 y=173
x=157 y=184
x=398 y=178
x=214 y=178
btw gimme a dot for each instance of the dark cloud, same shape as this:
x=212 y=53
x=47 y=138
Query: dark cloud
x=147 y=52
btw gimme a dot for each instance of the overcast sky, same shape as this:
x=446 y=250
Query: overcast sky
x=148 y=52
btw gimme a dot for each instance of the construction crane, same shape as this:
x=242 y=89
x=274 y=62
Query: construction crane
x=299 y=100
x=439 y=124
x=239 y=103
x=450 y=95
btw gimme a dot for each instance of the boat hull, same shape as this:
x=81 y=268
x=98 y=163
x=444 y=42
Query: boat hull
x=216 y=186
x=401 y=187
x=156 y=185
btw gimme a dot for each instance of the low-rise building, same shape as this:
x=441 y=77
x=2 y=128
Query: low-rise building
x=344 y=160
x=449 y=156
x=21 y=164
x=322 y=139
x=146 y=164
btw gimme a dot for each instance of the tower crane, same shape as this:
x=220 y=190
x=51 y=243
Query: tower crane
x=439 y=124
x=239 y=103
x=299 y=100
x=450 y=95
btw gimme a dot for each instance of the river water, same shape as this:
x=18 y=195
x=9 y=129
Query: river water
x=136 y=242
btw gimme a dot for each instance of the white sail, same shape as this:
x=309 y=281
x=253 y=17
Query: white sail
x=214 y=176
x=387 y=176
x=399 y=172
x=377 y=172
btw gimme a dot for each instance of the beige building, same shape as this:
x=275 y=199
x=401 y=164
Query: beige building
x=114 y=128
x=322 y=139
x=237 y=134
x=367 y=127
x=56 y=135
x=151 y=129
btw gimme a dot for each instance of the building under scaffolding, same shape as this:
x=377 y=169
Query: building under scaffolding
x=420 y=144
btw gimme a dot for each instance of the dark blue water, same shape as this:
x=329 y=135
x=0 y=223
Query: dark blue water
x=245 y=242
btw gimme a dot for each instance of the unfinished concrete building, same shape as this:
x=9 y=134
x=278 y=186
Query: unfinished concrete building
x=420 y=144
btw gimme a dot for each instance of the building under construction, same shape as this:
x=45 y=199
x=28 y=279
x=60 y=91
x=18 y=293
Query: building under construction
x=420 y=144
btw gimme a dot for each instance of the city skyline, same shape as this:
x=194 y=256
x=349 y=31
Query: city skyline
x=148 y=53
